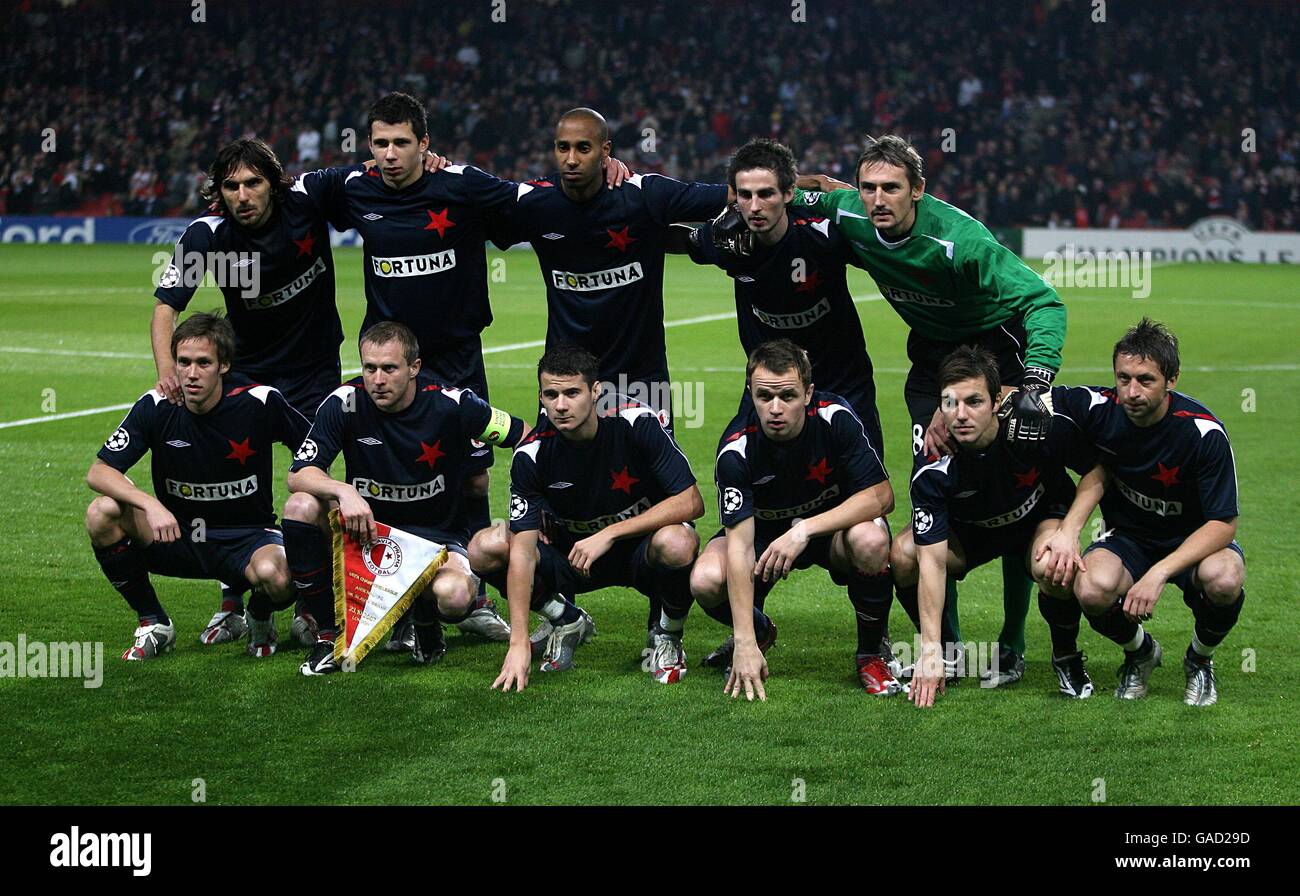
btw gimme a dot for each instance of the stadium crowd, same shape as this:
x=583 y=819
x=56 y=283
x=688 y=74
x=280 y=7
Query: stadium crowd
x=1056 y=120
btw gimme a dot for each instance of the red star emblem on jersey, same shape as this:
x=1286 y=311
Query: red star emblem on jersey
x=429 y=454
x=623 y=481
x=818 y=471
x=239 y=451
x=1026 y=480
x=619 y=239
x=304 y=245
x=439 y=222
x=810 y=283
x=1167 y=478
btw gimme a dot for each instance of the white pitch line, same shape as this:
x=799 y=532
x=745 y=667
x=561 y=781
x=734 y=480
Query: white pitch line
x=49 y=418
x=68 y=352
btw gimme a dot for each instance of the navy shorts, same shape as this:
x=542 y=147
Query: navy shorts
x=305 y=388
x=862 y=403
x=1139 y=555
x=1006 y=342
x=461 y=367
x=625 y=565
x=817 y=553
x=223 y=555
x=454 y=542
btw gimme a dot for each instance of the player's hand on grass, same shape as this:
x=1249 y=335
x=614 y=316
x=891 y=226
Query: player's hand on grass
x=615 y=173
x=782 y=553
x=1140 y=602
x=358 y=518
x=514 y=671
x=162 y=524
x=748 y=672
x=1063 y=557
x=937 y=437
x=928 y=682
x=588 y=551
x=170 y=387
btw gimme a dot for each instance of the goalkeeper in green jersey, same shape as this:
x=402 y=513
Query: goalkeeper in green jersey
x=954 y=284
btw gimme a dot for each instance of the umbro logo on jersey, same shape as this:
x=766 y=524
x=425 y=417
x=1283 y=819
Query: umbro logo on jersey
x=744 y=279
x=370 y=440
x=560 y=485
x=372 y=217
x=179 y=443
x=552 y=236
x=965 y=494
x=765 y=479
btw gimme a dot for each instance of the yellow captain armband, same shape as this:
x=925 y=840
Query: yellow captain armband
x=498 y=427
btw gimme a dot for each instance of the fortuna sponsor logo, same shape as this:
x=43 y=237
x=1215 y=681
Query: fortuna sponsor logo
x=795 y=321
x=383 y=491
x=590 y=282
x=78 y=850
x=581 y=527
x=212 y=491
x=1013 y=516
x=1150 y=505
x=285 y=293
x=787 y=512
x=894 y=294
x=414 y=265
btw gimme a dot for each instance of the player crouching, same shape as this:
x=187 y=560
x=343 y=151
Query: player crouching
x=1168 y=494
x=621 y=496
x=211 y=463
x=987 y=500
x=799 y=484
x=406 y=441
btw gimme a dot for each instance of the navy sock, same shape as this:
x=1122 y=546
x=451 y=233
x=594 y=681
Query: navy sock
x=909 y=600
x=1214 y=622
x=259 y=605
x=124 y=567
x=1114 y=625
x=1062 y=617
x=310 y=564
x=673 y=587
x=232 y=601
x=871 y=596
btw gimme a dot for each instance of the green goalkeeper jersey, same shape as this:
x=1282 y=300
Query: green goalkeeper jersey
x=949 y=279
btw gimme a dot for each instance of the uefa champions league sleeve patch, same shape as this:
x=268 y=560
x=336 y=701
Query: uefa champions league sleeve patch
x=307 y=452
x=732 y=499
x=118 y=440
x=922 y=521
x=518 y=507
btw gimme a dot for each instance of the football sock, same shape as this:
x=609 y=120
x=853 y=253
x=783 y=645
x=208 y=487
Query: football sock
x=1213 y=622
x=1139 y=646
x=556 y=608
x=950 y=610
x=232 y=601
x=871 y=596
x=909 y=600
x=1112 y=624
x=722 y=613
x=124 y=567
x=1017 y=586
x=1062 y=618
x=672 y=585
x=313 y=574
x=259 y=605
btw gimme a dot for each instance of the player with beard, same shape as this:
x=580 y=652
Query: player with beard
x=1169 y=502
x=953 y=284
x=264 y=233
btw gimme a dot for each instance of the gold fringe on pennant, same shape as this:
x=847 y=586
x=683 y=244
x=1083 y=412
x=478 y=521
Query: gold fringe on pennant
x=390 y=618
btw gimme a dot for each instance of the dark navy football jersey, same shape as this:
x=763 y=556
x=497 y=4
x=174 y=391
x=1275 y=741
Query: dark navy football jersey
x=1167 y=479
x=631 y=465
x=215 y=466
x=1000 y=485
x=409 y=465
x=425 y=258
x=831 y=460
x=292 y=323
x=603 y=264
x=797 y=290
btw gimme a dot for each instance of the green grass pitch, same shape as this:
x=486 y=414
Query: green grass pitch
x=73 y=336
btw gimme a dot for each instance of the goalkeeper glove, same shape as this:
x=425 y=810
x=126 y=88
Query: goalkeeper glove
x=731 y=233
x=1028 y=409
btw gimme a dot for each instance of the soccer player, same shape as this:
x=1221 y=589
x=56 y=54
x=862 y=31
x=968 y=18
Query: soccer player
x=406 y=440
x=1170 y=508
x=268 y=248
x=986 y=500
x=210 y=516
x=425 y=266
x=799 y=484
x=602 y=256
x=622 y=497
x=953 y=283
